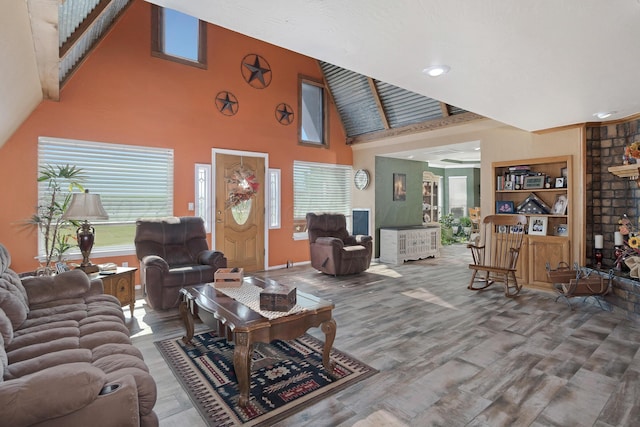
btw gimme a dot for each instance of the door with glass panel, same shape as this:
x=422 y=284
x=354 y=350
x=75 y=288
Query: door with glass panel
x=239 y=210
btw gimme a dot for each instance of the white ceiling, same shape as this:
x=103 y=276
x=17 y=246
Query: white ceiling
x=530 y=64
x=462 y=155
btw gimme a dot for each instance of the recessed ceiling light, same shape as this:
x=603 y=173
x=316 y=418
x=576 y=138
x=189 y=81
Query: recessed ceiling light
x=604 y=114
x=436 y=70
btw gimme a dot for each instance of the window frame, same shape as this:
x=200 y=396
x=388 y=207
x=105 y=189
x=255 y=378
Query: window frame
x=274 y=180
x=49 y=144
x=299 y=224
x=157 y=40
x=325 y=116
x=202 y=194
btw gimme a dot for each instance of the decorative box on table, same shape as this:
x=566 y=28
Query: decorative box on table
x=277 y=297
x=228 y=277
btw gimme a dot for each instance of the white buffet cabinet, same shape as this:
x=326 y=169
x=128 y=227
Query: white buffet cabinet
x=400 y=244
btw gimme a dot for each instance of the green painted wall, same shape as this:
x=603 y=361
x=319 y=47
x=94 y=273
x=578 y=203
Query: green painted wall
x=390 y=213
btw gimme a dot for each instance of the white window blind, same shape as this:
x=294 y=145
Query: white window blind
x=132 y=181
x=321 y=187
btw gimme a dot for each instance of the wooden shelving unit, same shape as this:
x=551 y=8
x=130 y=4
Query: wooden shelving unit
x=537 y=250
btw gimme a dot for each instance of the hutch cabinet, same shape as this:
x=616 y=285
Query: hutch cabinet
x=430 y=202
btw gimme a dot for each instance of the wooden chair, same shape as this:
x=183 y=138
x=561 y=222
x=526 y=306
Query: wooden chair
x=474 y=214
x=496 y=254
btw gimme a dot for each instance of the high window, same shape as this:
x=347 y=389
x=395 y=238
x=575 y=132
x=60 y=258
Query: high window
x=458 y=196
x=178 y=37
x=312 y=118
x=132 y=182
x=320 y=187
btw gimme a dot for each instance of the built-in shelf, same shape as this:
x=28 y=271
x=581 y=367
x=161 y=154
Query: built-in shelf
x=626 y=171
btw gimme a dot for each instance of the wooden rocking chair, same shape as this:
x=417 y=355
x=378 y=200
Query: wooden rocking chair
x=496 y=254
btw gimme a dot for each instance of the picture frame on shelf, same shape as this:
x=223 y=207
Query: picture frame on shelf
x=508 y=185
x=560 y=182
x=538 y=225
x=504 y=207
x=532 y=182
x=564 y=172
x=560 y=205
x=561 y=230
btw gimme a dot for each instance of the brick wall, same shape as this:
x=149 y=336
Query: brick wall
x=608 y=198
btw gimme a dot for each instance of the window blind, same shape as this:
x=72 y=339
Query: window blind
x=321 y=187
x=132 y=181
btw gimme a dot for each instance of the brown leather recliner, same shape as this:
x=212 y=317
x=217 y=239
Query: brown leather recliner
x=333 y=250
x=173 y=253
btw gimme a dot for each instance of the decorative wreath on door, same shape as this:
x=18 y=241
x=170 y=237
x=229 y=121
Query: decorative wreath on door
x=242 y=184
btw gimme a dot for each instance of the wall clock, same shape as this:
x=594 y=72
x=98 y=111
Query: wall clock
x=361 y=179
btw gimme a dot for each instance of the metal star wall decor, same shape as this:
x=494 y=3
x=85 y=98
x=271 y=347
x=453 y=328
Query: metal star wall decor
x=284 y=114
x=227 y=103
x=256 y=71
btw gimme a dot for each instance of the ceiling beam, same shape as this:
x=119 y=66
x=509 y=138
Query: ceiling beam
x=445 y=109
x=428 y=125
x=376 y=97
x=44 y=27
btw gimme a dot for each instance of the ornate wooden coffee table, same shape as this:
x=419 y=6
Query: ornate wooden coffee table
x=243 y=326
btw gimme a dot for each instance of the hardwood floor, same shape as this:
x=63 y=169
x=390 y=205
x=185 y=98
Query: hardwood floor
x=447 y=356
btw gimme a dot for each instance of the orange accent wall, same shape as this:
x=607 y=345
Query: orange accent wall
x=123 y=95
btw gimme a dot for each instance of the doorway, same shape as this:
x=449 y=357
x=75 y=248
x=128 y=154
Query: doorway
x=239 y=212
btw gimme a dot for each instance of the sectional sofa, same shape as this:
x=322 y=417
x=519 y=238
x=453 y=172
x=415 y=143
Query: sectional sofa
x=65 y=355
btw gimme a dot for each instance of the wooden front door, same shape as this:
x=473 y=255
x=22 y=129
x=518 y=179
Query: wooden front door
x=239 y=218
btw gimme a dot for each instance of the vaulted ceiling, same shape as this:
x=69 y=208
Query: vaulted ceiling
x=532 y=65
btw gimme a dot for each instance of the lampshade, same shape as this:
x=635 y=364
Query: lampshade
x=85 y=206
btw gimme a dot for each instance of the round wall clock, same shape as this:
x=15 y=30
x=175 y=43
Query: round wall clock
x=361 y=179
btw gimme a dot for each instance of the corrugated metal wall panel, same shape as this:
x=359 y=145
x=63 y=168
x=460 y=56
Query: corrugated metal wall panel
x=71 y=13
x=404 y=107
x=89 y=37
x=354 y=100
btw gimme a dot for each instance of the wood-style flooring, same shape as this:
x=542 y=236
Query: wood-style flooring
x=447 y=356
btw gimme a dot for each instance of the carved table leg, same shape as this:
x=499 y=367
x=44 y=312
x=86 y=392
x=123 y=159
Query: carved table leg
x=242 y=365
x=329 y=329
x=187 y=318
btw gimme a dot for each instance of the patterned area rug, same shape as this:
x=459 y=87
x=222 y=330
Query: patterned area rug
x=286 y=377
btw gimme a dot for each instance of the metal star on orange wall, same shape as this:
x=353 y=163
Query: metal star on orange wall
x=227 y=103
x=284 y=114
x=256 y=71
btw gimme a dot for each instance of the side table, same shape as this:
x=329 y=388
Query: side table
x=121 y=284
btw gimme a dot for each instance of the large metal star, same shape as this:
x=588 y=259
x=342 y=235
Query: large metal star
x=256 y=71
x=227 y=103
x=284 y=114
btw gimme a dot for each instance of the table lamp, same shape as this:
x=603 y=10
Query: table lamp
x=85 y=207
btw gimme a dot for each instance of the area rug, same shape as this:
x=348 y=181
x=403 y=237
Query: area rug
x=286 y=377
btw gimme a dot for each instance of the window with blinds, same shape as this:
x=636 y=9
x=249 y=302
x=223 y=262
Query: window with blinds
x=320 y=187
x=132 y=181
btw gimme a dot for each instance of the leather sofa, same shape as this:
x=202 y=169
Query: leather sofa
x=66 y=355
x=173 y=252
x=333 y=250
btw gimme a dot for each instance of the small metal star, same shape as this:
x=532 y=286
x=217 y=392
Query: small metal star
x=227 y=103
x=284 y=114
x=256 y=71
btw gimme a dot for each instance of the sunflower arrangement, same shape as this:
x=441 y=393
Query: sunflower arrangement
x=631 y=241
x=633 y=150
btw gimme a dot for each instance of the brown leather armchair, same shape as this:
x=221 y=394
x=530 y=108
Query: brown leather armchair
x=173 y=253
x=333 y=250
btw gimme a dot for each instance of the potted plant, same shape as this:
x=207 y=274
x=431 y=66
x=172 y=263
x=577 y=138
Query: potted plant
x=60 y=181
x=446 y=228
x=465 y=222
